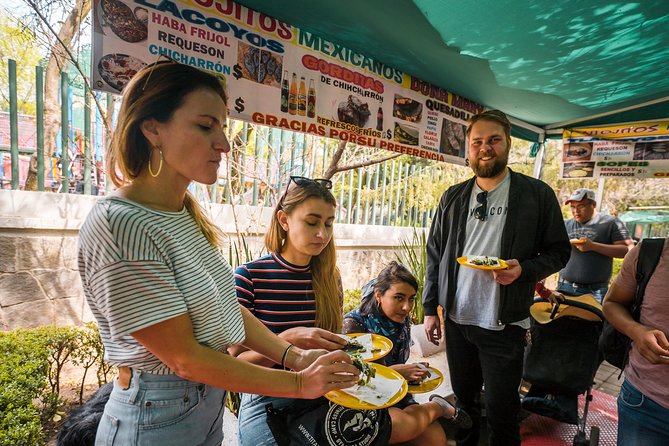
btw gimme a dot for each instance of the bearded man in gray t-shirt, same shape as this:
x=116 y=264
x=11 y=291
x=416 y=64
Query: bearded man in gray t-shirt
x=596 y=239
x=506 y=215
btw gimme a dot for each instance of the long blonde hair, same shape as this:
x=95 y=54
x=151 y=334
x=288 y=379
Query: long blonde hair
x=325 y=276
x=156 y=92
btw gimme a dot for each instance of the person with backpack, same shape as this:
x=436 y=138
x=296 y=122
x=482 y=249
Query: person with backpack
x=643 y=402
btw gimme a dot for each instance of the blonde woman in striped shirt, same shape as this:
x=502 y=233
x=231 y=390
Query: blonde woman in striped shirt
x=158 y=285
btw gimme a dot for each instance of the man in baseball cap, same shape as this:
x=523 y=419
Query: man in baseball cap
x=580 y=194
x=595 y=240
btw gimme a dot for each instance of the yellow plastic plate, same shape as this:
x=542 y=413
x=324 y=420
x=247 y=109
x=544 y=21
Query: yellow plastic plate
x=464 y=261
x=428 y=386
x=378 y=342
x=344 y=399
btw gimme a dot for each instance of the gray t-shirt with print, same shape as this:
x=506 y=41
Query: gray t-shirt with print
x=478 y=295
x=592 y=267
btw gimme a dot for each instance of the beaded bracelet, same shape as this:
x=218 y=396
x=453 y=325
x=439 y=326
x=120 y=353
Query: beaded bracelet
x=285 y=355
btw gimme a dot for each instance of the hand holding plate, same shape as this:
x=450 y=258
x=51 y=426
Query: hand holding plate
x=332 y=371
x=312 y=337
x=509 y=275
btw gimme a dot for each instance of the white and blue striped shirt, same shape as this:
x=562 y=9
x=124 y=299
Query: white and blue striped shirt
x=140 y=266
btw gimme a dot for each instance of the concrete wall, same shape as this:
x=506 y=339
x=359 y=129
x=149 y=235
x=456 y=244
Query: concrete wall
x=39 y=280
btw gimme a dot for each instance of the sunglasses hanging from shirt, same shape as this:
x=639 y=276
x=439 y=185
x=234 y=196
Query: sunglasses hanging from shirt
x=481 y=211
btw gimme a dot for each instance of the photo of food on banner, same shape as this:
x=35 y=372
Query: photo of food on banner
x=579 y=170
x=409 y=110
x=130 y=25
x=127 y=26
x=117 y=69
x=353 y=111
x=452 y=140
x=575 y=151
x=261 y=66
x=653 y=150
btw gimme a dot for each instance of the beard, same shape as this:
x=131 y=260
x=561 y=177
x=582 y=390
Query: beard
x=490 y=170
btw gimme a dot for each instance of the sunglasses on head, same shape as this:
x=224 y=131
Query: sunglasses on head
x=481 y=211
x=166 y=60
x=303 y=182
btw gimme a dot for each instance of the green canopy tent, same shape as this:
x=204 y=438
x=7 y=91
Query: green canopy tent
x=549 y=65
x=651 y=222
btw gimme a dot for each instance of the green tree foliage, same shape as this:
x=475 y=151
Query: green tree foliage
x=18 y=42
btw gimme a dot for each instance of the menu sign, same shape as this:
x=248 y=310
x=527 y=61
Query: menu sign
x=281 y=76
x=637 y=150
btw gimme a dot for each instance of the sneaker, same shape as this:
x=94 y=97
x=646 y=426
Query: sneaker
x=460 y=418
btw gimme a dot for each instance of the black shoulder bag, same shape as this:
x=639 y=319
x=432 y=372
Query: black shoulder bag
x=614 y=345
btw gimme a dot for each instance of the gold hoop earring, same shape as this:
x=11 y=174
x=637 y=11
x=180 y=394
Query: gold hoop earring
x=160 y=166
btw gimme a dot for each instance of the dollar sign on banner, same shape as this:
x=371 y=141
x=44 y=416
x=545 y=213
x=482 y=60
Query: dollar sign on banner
x=237 y=71
x=239 y=105
x=389 y=134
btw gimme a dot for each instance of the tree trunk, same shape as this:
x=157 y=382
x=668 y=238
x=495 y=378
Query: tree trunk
x=58 y=57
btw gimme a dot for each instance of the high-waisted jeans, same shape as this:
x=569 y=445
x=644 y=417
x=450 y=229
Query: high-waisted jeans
x=162 y=410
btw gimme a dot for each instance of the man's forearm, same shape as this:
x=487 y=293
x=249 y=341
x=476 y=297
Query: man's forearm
x=620 y=317
x=617 y=251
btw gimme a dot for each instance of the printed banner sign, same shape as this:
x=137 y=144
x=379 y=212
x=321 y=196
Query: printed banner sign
x=637 y=150
x=280 y=76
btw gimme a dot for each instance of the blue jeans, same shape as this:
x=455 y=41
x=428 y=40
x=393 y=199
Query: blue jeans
x=476 y=355
x=252 y=419
x=162 y=410
x=598 y=293
x=641 y=421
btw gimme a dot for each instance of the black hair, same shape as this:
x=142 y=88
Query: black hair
x=393 y=273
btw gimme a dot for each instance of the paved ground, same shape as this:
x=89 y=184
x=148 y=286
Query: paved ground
x=606 y=381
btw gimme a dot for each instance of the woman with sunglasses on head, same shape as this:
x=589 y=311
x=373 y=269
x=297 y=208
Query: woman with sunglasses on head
x=296 y=291
x=385 y=309
x=156 y=280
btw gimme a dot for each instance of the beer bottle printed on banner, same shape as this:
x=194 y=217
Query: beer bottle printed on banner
x=302 y=98
x=285 y=92
x=379 y=119
x=292 y=96
x=311 y=100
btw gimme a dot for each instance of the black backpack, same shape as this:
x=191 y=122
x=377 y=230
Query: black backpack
x=614 y=345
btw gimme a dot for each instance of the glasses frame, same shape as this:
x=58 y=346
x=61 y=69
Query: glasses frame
x=481 y=211
x=303 y=181
x=580 y=207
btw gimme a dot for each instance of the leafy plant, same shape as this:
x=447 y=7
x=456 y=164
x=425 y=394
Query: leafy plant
x=240 y=252
x=413 y=255
x=352 y=299
x=24 y=366
x=89 y=352
x=31 y=362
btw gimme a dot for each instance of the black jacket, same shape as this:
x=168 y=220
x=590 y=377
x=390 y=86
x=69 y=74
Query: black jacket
x=534 y=234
